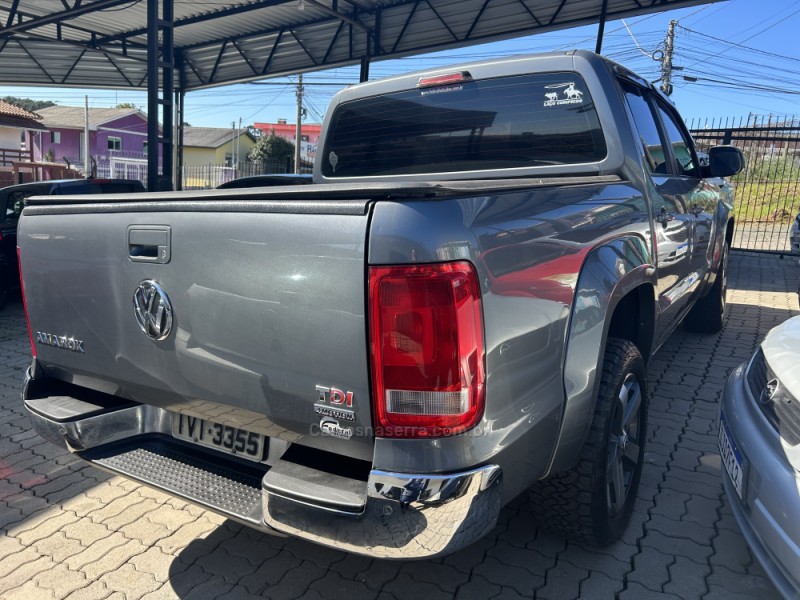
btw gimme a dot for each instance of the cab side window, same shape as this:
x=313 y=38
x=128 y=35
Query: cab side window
x=653 y=151
x=682 y=145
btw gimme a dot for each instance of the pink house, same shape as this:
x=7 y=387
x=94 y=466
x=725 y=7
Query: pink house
x=115 y=135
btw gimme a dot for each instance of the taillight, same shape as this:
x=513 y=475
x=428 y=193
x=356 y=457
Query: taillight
x=25 y=302
x=427 y=348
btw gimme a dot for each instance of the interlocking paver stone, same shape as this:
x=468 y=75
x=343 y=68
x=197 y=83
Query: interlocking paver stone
x=68 y=530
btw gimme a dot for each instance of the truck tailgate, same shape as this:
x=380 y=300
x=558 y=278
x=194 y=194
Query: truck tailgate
x=268 y=308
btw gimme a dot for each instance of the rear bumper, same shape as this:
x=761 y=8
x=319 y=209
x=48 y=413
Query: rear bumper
x=399 y=516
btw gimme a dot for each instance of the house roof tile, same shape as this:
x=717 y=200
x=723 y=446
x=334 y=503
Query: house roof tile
x=72 y=117
x=209 y=137
x=19 y=118
x=10 y=110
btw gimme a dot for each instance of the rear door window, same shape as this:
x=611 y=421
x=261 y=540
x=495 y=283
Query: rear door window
x=681 y=142
x=653 y=151
x=510 y=122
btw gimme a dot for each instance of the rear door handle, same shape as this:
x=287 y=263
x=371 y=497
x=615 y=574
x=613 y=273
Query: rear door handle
x=149 y=243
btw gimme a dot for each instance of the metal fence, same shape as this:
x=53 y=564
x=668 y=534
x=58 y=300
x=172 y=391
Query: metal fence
x=194 y=177
x=768 y=190
x=203 y=177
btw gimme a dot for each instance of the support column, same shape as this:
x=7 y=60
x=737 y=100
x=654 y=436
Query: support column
x=152 y=95
x=167 y=93
x=180 y=98
x=160 y=61
x=180 y=119
x=601 y=28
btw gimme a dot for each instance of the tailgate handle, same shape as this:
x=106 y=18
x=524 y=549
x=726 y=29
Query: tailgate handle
x=149 y=243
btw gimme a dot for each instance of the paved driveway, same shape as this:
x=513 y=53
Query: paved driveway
x=70 y=531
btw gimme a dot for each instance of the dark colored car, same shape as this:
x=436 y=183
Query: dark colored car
x=266 y=181
x=12 y=201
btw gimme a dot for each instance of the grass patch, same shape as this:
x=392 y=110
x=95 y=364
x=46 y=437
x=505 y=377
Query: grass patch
x=776 y=201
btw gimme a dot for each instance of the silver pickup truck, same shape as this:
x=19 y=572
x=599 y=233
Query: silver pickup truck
x=461 y=307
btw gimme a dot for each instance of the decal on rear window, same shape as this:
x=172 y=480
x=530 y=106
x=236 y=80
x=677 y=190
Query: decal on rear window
x=569 y=94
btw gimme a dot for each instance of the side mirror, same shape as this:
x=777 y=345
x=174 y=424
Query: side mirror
x=725 y=161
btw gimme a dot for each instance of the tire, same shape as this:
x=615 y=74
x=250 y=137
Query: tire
x=708 y=313
x=593 y=501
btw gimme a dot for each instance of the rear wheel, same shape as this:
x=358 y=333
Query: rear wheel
x=708 y=313
x=593 y=500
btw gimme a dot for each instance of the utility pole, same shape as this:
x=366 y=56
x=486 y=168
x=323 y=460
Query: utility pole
x=666 y=63
x=298 y=127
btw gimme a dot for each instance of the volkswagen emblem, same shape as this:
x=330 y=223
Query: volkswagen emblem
x=153 y=310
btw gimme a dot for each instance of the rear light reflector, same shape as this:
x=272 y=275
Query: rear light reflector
x=426 y=327
x=25 y=302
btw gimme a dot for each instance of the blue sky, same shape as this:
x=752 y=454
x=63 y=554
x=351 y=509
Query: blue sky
x=740 y=58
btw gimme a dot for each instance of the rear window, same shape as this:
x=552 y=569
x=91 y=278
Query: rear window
x=503 y=123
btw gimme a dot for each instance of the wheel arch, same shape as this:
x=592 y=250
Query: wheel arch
x=615 y=297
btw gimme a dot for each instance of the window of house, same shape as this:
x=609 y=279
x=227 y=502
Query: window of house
x=145 y=146
x=55 y=137
x=114 y=143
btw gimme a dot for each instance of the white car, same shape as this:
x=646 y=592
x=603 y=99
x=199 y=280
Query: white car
x=759 y=442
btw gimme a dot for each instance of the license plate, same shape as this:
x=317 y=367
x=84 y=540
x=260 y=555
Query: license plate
x=238 y=442
x=731 y=457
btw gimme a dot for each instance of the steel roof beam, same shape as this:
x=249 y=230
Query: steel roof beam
x=83 y=31
x=38 y=64
x=338 y=15
x=530 y=12
x=333 y=42
x=12 y=12
x=405 y=25
x=272 y=51
x=441 y=19
x=61 y=16
x=477 y=19
x=244 y=56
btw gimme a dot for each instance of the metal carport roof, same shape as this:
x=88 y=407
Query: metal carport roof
x=103 y=43
x=174 y=46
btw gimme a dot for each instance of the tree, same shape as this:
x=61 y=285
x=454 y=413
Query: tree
x=271 y=147
x=28 y=104
x=127 y=105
